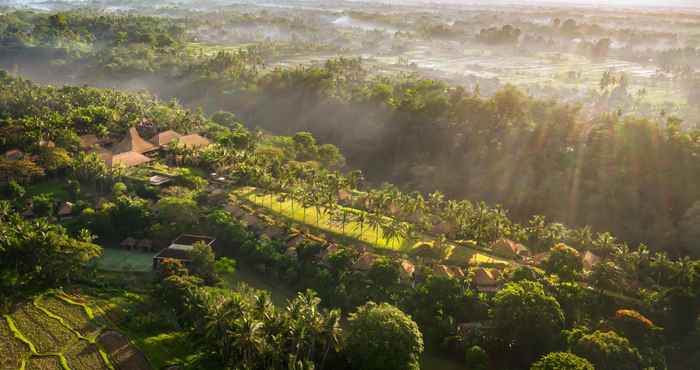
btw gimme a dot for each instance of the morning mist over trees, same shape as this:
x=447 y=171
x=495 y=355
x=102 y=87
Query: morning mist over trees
x=349 y=185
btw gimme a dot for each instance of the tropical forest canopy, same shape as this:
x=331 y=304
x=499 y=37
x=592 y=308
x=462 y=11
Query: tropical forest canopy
x=543 y=217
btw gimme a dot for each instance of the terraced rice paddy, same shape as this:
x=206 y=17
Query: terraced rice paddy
x=56 y=331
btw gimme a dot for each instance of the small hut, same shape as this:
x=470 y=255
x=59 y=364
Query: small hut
x=589 y=260
x=65 y=211
x=442 y=271
x=158 y=180
x=510 y=249
x=128 y=159
x=485 y=279
x=145 y=245
x=194 y=141
x=128 y=243
x=295 y=241
x=365 y=262
x=273 y=232
x=88 y=141
x=407 y=269
x=164 y=138
x=14 y=154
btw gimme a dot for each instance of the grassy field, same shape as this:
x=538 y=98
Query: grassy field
x=352 y=229
x=119 y=260
x=308 y=216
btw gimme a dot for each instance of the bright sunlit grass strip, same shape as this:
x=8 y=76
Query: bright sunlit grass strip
x=308 y=216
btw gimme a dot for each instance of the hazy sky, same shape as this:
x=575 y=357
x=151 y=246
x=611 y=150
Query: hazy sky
x=654 y=3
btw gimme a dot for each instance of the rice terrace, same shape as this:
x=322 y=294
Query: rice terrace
x=64 y=332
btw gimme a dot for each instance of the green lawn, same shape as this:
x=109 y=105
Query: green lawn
x=57 y=188
x=124 y=261
x=324 y=223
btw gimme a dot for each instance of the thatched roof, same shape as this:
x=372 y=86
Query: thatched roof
x=88 y=141
x=133 y=142
x=484 y=278
x=443 y=271
x=407 y=268
x=177 y=253
x=251 y=221
x=128 y=242
x=589 y=260
x=128 y=159
x=165 y=137
x=325 y=252
x=296 y=240
x=14 y=154
x=509 y=248
x=194 y=141
x=158 y=180
x=291 y=252
x=365 y=262
x=273 y=232
x=66 y=209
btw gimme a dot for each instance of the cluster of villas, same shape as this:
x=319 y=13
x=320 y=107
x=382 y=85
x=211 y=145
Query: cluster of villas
x=133 y=150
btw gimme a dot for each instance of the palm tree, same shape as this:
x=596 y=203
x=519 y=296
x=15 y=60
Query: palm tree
x=331 y=334
x=394 y=230
x=247 y=338
x=360 y=219
x=376 y=222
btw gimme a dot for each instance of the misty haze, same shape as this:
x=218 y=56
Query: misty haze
x=345 y=184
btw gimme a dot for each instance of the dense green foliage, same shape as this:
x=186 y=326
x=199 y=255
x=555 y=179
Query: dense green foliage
x=381 y=336
x=562 y=361
x=38 y=253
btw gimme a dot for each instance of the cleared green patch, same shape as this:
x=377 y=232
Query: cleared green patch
x=321 y=219
x=124 y=261
x=56 y=188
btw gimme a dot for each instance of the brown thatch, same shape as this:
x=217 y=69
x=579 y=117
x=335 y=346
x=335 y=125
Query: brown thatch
x=443 y=271
x=273 y=232
x=291 y=252
x=158 y=180
x=14 y=154
x=252 y=221
x=133 y=142
x=589 y=260
x=88 y=141
x=194 y=141
x=510 y=249
x=296 y=241
x=165 y=137
x=128 y=159
x=330 y=249
x=66 y=209
x=407 y=269
x=128 y=243
x=484 y=278
x=365 y=262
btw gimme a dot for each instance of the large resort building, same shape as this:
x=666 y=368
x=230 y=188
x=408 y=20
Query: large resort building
x=133 y=150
